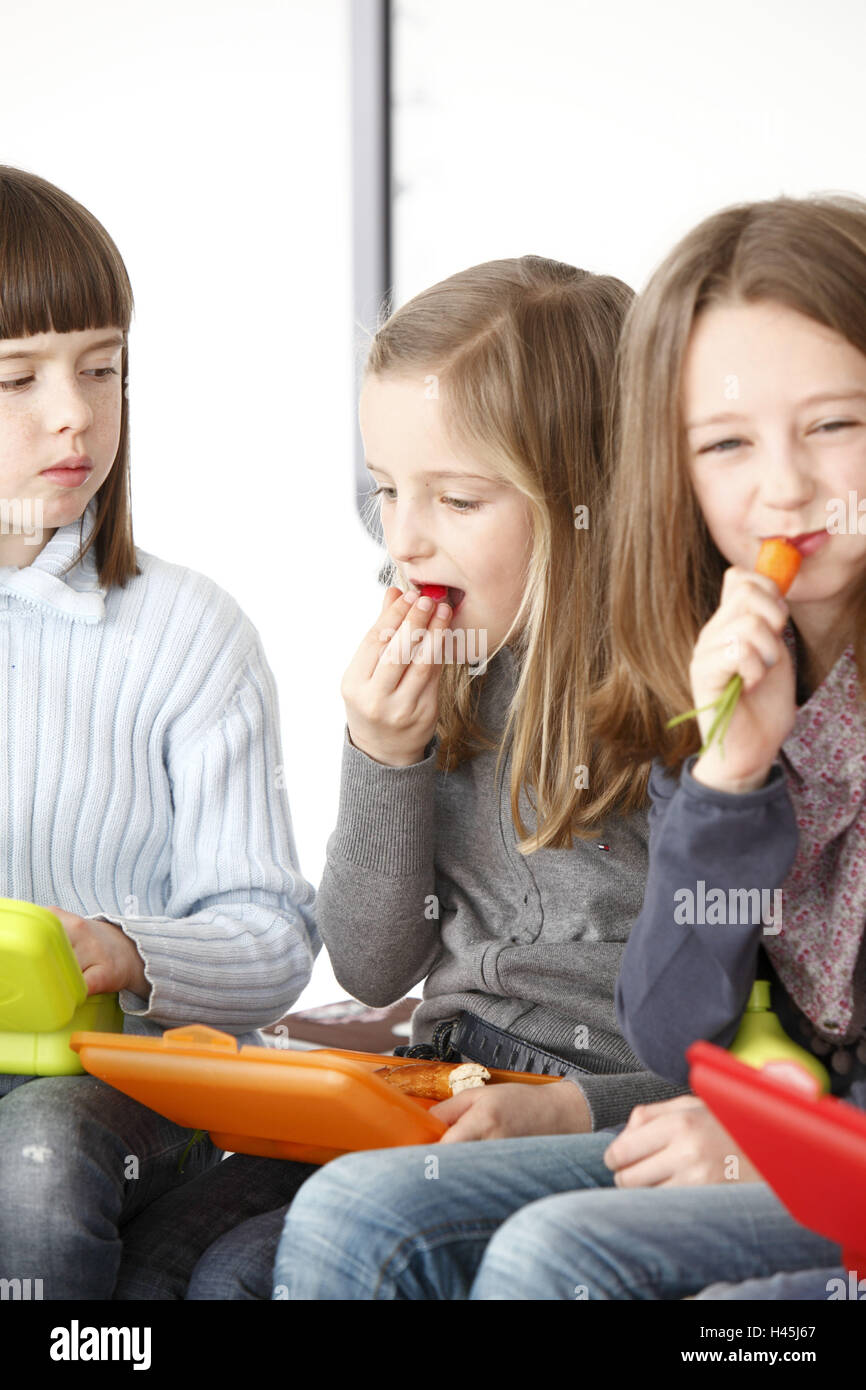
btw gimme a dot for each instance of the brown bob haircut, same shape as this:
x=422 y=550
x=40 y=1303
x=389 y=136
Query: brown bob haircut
x=60 y=272
x=806 y=254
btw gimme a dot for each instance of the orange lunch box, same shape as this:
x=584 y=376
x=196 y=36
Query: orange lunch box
x=311 y=1106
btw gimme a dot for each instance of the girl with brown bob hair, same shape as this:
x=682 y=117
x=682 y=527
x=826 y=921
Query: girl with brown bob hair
x=140 y=736
x=46 y=241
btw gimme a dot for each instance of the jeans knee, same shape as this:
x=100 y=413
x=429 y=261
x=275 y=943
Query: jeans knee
x=34 y=1154
x=539 y=1253
x=357 y=1186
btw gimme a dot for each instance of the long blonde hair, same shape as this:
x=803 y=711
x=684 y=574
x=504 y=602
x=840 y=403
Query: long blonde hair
x=807 y=254
x=524 y=350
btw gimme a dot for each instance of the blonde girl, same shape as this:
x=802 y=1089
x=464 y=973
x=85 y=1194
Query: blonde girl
x=483 y=844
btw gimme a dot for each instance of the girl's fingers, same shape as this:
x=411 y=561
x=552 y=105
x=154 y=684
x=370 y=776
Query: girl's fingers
x=397 y=644
x=736 y=579
x=409 y=658
x=727 y=658
x=749 y=594
x=429 y=649
x=745 y=645
x=650 y=1172
x=394 y=614
x=642 y=1114
x=633 y=1146
x=391 y=686
x=752 y=632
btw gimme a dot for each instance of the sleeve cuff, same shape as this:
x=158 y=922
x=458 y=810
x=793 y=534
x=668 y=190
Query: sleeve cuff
x=130 y=1002
x=386 y=821
x=774 y=787
x=611 y=1099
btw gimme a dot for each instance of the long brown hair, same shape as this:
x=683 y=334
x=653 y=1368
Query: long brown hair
x=524 y=352
x=807 y=254
x=61 y=272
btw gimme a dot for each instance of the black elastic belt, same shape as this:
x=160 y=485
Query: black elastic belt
x=472 y=1037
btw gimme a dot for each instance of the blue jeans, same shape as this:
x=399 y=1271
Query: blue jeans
x=532 y=1218
x=214 y=1239
x=78 y=1159
x=809 y=1285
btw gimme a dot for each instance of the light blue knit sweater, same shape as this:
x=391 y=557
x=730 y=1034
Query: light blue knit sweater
x=142 y=781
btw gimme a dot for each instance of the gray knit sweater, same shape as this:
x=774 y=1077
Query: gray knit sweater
x=423 y=879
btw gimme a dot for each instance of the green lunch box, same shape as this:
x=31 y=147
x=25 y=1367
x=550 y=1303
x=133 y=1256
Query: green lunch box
x=43 y=995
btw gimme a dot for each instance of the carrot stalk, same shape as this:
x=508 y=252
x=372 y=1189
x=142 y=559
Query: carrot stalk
x=779 y=560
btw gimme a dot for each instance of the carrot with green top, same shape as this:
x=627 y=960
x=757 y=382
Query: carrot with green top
x=778 y=559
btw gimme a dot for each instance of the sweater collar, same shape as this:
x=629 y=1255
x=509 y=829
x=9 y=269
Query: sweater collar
x=56 y=580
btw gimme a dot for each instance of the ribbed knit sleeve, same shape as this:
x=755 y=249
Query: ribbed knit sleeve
x=142 y=781
x=236 y=943
x=612 y=1097
x=375 y=904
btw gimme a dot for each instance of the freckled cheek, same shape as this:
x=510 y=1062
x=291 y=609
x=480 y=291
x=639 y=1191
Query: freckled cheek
x=18 y=445
x=106 y=433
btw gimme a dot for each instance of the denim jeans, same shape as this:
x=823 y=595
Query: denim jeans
x=214 y=1239
x=531 y=1218
x=241 y=1264
x=78 y=1160
x=809 y=1285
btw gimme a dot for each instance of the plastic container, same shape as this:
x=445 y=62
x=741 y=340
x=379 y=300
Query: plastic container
x=43 y=994
x=810 y=1149
x=311 y=1106
x=762 y=1042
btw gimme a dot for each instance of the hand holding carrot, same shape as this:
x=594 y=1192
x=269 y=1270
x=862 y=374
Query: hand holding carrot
x=741 y=674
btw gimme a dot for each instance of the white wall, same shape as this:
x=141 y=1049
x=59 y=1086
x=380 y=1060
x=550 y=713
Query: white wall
x=599 y=133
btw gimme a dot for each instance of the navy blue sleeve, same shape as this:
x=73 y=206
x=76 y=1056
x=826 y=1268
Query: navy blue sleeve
x=690 y=959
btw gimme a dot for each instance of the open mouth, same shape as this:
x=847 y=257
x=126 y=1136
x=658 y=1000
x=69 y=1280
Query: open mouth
x=441 y=593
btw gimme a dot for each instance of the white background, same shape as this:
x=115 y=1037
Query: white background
x=598 y=134
x=212 y=139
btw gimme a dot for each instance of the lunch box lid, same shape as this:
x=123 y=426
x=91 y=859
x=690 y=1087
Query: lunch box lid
x=309 y=1105
x=41 y=984
x=810 y=1149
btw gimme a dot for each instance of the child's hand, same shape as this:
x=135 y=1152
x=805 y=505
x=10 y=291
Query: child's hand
x=510 y=1109
x=392 y=704
x=109 y=960
x=676 y=1143
x=744 y=637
